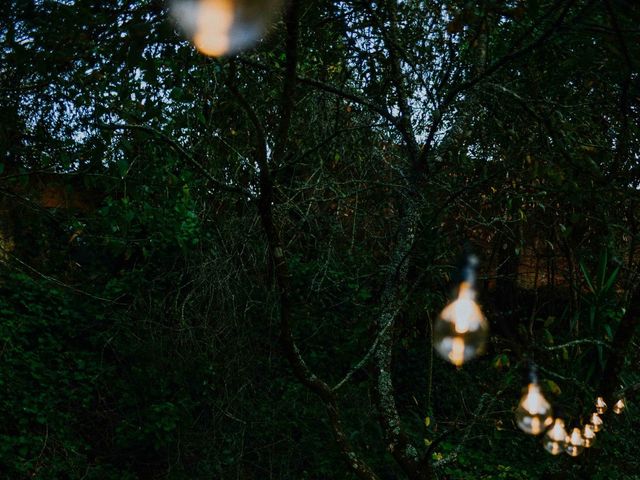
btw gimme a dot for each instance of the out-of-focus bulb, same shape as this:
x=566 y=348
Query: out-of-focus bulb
x=589 y=435
x=601 y=407
x=222 y=27
x=619 y=407
x=596 y=421
x=460 y=331
x=575 y=443
x=533 y=414
x=556 y=438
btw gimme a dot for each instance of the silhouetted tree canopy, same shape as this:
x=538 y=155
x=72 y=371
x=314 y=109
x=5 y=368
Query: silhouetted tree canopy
x=229 y=268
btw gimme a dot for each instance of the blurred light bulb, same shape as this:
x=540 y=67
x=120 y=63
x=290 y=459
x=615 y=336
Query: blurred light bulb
x=575 y=443
x=589 y=435
x=619 y=407
x=460 y=331
x=601 y=407
x=556 y=438
x=533 y=414
x=596 y=421
x=221 y=27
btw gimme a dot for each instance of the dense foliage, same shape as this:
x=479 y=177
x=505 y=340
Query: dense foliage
x=177 y=233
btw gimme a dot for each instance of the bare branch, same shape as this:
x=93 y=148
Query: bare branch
x=327 y=87
x=582 y=341
x=55 y=281
x=178 y=148
x=276 y=250
x=490 y=70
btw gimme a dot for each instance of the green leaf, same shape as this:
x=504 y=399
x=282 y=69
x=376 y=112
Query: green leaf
x=607 y=328
x=123 y=167
x=602 y=268
x=552 y=387
x=586 y=277
x=612 y=278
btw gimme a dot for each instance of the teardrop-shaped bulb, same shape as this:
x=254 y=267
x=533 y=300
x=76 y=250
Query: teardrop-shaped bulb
x=601 y=407
x=534 y=413
x=223 y=27
x=575 y=443
x=589 y=435
x=596 y=421
x=460 y=332
x=556 y=438
x=619 y=407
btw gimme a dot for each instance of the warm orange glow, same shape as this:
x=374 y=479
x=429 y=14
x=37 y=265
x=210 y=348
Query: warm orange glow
x=534 y=402
x=461 y=329
x=224 y=27
x=596 y=421
x=619 y=407
x=214 y=20
x=533 y=414
x=601 y=407
x=536 y=425
x=557 y=433
x=589 y=435
x=457 y=351
x=575 y=444
x=554 y=448
x=556 y=438
x=464 y=312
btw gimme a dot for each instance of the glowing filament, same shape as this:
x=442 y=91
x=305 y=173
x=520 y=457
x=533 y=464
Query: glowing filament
x=461 y=328
x=554 y=448
x=556 y=438
x=213 y=27
x=619 y=407
x=534 y=402
x=575 y=444
x=533 y=414
x=589 y=435
x=601 y=407
x=223 y=27
x=596 y=421
x=457 y=351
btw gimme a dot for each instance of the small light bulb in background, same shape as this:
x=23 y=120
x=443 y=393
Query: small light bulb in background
x=534 y=413
x=601 y=407
x=596 y=421
x=589 y=435
x=223 y=27
x=619 y=407
x=556 y=438
x=460 y=332
x=575 y=443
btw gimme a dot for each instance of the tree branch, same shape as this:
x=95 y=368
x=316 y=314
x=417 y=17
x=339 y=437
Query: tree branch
x=277 y=256
x=327 y=87
x=582 y=341
x=490 y=70
x=619 y=347
x=178 y=148
x=288 y=92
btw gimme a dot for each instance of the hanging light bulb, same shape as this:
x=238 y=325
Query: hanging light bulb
x=575 y=443
x=596 y=421
x=533 y=414
x=222 y=27
x=619 y=407
x=556 y=438
x=601 y=407
x=460 y=331
x=588 y=435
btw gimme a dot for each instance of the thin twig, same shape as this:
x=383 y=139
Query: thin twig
x=582 y=341
x=178 y=148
